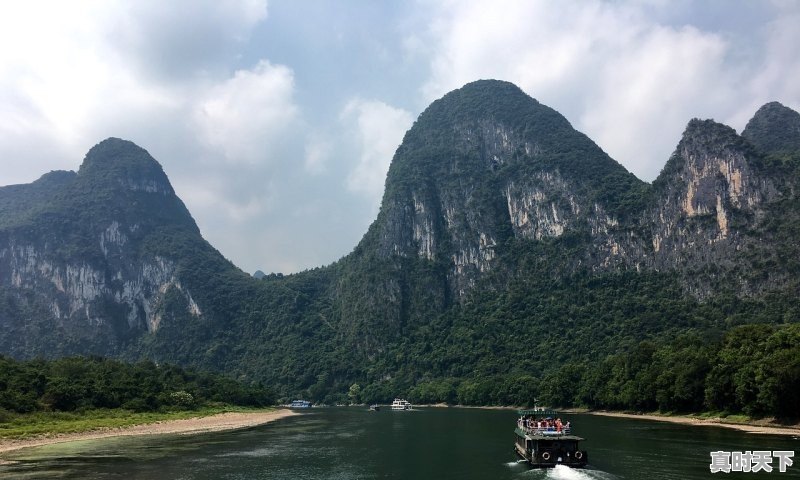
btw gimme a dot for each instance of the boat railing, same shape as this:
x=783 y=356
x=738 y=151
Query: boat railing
x=549 y=431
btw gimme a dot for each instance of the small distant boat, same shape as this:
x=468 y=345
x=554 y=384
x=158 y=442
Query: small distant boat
x=300 y=404
x=374 y=407
x=544 y=441
x=400 y=404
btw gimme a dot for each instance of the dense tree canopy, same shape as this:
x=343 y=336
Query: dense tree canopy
x=80 y=383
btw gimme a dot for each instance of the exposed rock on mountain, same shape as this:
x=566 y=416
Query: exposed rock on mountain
x=506 y=242
x=76 y=250
x=708 y=199
x=486 y=163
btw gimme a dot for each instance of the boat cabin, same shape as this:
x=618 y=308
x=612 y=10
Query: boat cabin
x=543 y=439
x=400 y=404
x=300 y=404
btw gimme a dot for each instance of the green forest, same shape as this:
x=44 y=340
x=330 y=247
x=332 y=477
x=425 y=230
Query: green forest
x=707 y=323
x=753 y=369
x=583 y=343
x=81 y=384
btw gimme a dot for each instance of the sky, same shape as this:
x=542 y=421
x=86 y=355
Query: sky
x=276 y=120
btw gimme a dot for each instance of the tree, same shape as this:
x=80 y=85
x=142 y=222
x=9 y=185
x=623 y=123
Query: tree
x=354 y=393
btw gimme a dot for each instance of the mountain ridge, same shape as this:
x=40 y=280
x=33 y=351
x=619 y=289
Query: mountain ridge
x=500 y=225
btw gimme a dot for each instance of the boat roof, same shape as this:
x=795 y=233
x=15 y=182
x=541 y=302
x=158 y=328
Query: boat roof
x=538 y=412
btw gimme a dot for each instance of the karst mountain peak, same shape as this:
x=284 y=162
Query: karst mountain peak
x=502 y=233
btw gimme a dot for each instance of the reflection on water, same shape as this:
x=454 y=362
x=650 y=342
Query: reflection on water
x=352 y=443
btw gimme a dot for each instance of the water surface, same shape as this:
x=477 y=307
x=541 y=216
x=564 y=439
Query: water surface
x=427 y=444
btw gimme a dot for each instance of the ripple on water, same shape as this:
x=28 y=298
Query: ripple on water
x=561 y=472
x=255 y=453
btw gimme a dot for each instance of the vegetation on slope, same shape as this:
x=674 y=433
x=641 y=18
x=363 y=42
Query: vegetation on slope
x=629 y=342
x=624 y=340
x=372 y=326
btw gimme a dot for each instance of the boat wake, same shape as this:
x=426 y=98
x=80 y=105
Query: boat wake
x=517 y=466
x=563 y=472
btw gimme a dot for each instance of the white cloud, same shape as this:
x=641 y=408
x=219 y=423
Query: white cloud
x=45 y=76
x=379 y=130
x=65 y=73
x=777 y=77
x=614 y=69
x=645 y=94
x=214 y=89
x=243 y=115
x=162 y=75
x=183 y=38
x=317 y=154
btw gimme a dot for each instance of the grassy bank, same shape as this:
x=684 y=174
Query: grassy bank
x=38 y=424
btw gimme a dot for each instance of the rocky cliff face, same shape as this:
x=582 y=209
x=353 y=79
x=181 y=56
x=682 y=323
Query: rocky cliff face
x=710 y=190
x=79 y=254
x=487 y=163
x=82 y=291
x=490 y=191
x=487 y=166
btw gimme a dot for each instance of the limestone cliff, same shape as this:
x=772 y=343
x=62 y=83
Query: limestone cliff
x=487 y=163
x=78 y=249
x=487 y=167
x=496 y=211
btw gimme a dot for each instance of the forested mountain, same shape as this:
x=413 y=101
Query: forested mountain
x=511 y=257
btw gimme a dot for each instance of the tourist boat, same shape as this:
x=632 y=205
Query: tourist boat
x=300 y=404
x=400 y=404
x=544 y=441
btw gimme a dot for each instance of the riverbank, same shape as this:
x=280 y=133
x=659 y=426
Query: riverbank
x=764 y=427
x=184 y=426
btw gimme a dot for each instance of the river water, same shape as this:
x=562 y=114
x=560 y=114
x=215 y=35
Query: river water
x=429 y=443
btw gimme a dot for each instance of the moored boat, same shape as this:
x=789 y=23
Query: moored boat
x=300 y=404
x=544 y=440
x=400 y=404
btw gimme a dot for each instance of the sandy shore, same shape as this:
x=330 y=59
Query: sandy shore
x=760 y=428
x=793 y=430
x=213 y=423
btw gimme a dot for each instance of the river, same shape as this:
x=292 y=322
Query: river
x=429 y=443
